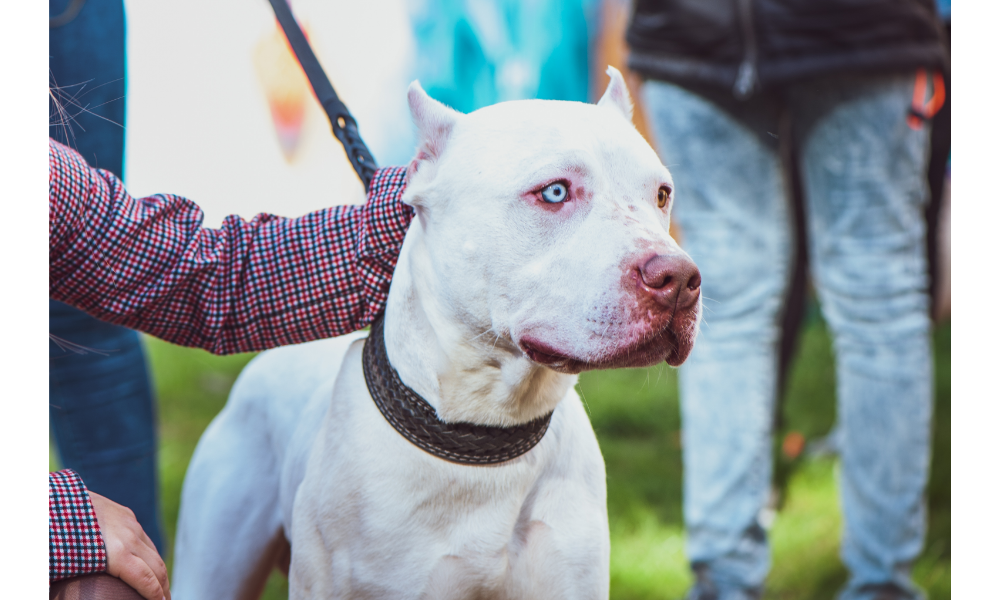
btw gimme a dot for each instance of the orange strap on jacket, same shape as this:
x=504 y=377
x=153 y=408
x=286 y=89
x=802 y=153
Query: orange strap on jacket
x=921 y=111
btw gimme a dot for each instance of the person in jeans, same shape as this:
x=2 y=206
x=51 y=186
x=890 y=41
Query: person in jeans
x=101 y=407
x=731 y=88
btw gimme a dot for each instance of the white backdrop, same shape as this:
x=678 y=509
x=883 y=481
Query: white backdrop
x=198 y=122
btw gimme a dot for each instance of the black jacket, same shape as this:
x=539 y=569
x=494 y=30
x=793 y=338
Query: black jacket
x=750 y=45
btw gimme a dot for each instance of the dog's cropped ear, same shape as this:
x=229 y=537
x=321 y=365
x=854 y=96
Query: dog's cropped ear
x=616 y=96
x=434 y=122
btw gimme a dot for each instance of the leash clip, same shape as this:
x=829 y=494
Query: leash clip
x=345 y=128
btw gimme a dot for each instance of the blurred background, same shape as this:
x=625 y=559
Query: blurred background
x=218 y=111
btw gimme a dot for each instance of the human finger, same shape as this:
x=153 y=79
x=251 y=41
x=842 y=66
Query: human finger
x=134 y=571
x=148 y=554
x=131 y=555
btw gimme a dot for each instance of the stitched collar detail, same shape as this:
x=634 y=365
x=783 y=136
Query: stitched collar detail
x=417 y=421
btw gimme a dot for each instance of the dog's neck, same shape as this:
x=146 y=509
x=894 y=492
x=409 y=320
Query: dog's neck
x=467 y=372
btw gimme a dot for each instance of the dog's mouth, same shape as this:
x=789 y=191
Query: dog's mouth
x=663 y=346
x=540 y=352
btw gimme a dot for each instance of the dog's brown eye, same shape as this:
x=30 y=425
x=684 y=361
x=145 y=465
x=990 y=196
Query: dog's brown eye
x=662 y=196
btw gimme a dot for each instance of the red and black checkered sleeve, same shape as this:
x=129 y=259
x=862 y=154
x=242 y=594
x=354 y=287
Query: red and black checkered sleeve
x=75 y=543
x=148 y=264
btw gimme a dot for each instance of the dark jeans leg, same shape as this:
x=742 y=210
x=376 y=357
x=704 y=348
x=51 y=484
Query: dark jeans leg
x=87 y=74
x=102 y=413
x=101 y=408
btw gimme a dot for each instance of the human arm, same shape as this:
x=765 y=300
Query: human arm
x=148 y=264
x=89 y=533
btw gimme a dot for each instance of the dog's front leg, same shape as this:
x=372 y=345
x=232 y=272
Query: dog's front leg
x=553 y=565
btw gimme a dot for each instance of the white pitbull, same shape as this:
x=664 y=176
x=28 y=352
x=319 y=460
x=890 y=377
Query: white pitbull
x=540 y=249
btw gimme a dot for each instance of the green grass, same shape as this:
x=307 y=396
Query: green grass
x=636 y=415
x=191 y=388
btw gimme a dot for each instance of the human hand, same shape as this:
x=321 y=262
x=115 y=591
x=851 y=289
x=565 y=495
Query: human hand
x=132 y=557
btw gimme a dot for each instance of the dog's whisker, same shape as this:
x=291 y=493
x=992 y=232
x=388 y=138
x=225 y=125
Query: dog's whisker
x=87 y=109
x=62 y=99
x=481 y=334
x=96 y=87
x=75 y=348
x=585 y=404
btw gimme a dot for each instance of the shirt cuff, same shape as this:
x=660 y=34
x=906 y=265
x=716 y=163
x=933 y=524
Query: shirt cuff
x=386 y=217
x=76 y=546
x=385 y=221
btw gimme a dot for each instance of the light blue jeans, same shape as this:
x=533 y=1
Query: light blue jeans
x=863 y=171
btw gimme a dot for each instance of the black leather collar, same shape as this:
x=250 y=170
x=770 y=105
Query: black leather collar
x=416 y=420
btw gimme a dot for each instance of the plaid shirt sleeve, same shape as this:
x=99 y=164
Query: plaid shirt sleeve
x=149 y=265
x=75 y=543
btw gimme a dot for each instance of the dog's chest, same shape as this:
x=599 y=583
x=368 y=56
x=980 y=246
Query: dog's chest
x=377 y=517
x=432 y=540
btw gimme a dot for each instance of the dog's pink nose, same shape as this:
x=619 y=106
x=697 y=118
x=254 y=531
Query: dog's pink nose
x=672 y=279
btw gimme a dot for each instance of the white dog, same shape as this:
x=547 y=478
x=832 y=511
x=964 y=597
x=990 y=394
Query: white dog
x=540 y=250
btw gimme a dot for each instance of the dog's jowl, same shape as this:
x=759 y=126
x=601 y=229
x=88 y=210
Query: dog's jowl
x=450 y=457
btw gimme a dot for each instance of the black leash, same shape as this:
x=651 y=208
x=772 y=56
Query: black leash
x=345 y=128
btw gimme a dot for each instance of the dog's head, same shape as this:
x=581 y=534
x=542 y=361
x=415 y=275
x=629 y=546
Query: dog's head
x=547 y=225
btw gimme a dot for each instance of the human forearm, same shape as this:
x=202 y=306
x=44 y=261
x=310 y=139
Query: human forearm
x=149 y=265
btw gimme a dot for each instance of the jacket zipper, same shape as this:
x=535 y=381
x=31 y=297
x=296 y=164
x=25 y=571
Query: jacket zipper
x=746 y=77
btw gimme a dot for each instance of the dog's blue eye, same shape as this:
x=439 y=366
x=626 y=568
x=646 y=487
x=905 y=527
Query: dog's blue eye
x=555 y=193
